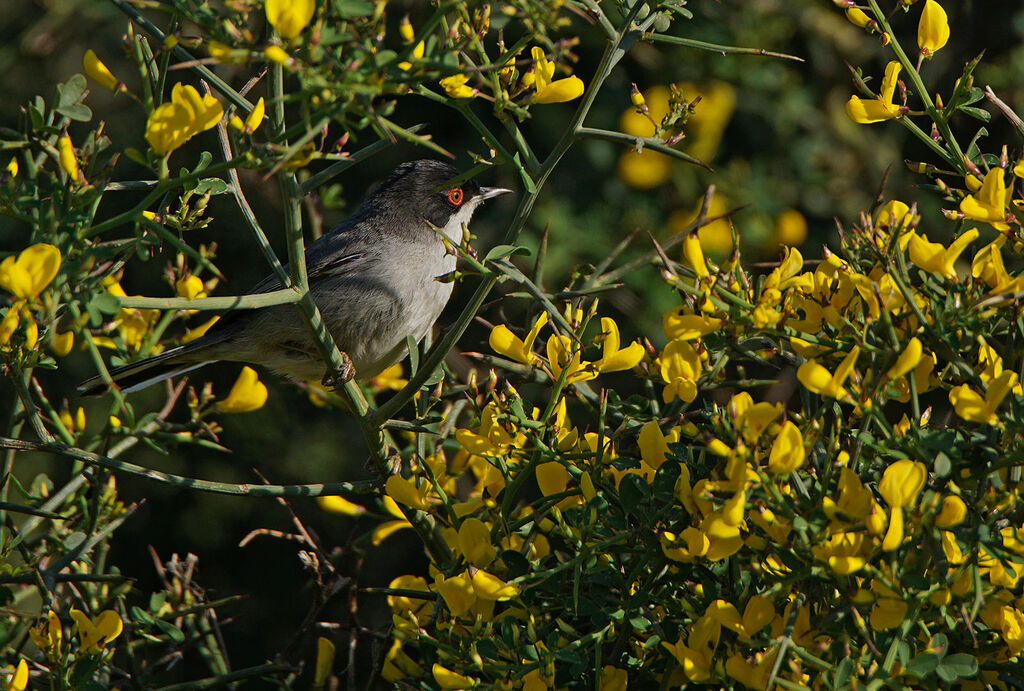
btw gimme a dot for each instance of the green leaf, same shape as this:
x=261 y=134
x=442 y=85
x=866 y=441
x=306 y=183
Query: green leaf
x=212 y=186
x=632 y=490
x=922 y=665
x=79 y=112
x=844 y=672
x=353 y=8
x=172 y=631
x=105 y=303
x=976 y=113
x=71 y=91
x=205 y=159
x=943 y=466
x=142 y=616
x=501 y=251
x=957 y=666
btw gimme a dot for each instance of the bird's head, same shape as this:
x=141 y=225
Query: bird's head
x=425 y=190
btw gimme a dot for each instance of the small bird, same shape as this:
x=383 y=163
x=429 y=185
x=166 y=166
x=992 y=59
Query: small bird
x=374 y=277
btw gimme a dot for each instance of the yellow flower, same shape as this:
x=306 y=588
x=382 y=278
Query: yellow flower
x=857 y=17
x=190 y=287
x=388 y=528
x=398 y=664
x=406 y=491
x=475 y=542
x=504 y=342
x=290 y=17
x=680 y=369
x=187 y=114
x=27 y=275
x=66 y=156
x=901 y=483
x=973 y=407
x=276 y=54
x=487 y=586
x=933 y=29
x=548 y=90
x=613 y=679
x=405 y=30
x=12 y=168
x=694 y=255
x=199 y=331
x=18 y=680
x=788 y=451
x=888 y=613
x=816 y=378
x=252 y=121
x=48 y=634
x=908 y=359
x=97 y=71
x=562 y=356
x=679 y=324
x=62 y=343
x=790 y=228
x=685 y=547
x=880 y=108
x=1012 y=629
x=613 y=358
x=952 y=513
x=95 y=634
x=324 y=661
x=247 y=394
x=716 y=236
x=390 y=379
x=934 y=257
x=340 y=505
x=989 y=203
x=457 y=593
x=455 y=86
x=448 y=679
x=417 y=52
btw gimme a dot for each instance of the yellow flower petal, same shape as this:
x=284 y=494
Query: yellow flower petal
x=247 y=394
x=97 y=71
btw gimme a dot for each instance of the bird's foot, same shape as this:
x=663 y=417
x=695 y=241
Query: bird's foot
x=343 y=375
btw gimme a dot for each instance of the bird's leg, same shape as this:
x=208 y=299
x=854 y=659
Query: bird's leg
x=343 y=375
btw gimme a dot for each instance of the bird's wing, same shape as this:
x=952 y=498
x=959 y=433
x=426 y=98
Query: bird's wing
x=320 y=263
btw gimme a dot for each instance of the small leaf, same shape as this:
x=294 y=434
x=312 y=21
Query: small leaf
x=957 y=666
x=942 y=465
x=105 y=303
x=212 y=186
x=172 y=631
x=71 y=91
x=977 y=113
x=632 y=490
x=353 y=8
x=79 y=112
x=501 y=251
x=923 y=665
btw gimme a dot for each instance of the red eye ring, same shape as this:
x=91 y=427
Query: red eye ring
x=455 y=196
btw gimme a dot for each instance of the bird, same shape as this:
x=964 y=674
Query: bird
x=376 y=278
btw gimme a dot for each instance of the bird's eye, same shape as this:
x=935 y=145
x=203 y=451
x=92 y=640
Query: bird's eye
x=455 y=196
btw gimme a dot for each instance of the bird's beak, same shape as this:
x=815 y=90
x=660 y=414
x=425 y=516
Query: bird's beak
x=488 y=192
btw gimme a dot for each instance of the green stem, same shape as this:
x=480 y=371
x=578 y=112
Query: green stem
x=158 y=191
x=350 y=489
x=920 y=88
x=651 y=143
x=284 y=296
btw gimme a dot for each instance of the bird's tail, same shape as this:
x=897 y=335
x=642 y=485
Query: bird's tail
x=139 y=375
